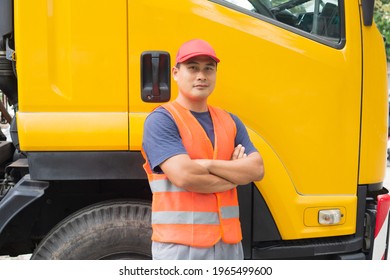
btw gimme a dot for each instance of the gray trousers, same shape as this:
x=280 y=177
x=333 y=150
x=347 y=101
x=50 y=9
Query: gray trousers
x=220 y=251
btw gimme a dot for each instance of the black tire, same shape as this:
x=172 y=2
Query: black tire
x=108 y=230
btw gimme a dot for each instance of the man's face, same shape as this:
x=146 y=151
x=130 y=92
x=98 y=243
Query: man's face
x=196 y=77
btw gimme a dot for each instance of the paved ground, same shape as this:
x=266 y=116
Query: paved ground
x=21 y=257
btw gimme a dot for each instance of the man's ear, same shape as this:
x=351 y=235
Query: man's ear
x=174 y=73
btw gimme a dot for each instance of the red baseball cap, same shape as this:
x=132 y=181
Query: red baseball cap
x=193 y=48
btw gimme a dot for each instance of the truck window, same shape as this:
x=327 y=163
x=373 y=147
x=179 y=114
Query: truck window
x=316 y=17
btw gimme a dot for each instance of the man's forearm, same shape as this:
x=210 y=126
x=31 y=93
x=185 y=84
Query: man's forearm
x=241 y=171
x=208 y=183
x=188 y=174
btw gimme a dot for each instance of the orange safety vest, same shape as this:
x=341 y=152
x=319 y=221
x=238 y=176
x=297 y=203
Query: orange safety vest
x=190 y=218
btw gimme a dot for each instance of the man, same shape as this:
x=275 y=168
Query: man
x=196 y=155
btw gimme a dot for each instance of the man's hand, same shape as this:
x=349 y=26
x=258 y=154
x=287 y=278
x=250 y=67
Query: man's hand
x=239 y=152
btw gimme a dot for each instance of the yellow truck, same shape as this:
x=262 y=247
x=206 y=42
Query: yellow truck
x=307 y=77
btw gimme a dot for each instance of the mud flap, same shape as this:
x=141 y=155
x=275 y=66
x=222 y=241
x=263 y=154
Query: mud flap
x=381 y=234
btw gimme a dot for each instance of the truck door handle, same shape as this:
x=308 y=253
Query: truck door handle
x=155 y=76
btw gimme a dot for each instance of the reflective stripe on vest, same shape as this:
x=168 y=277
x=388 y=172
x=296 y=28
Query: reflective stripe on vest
x=164 y=186
x=185 y=218
x=229 y=212
x=201 y=218
x=189 y=218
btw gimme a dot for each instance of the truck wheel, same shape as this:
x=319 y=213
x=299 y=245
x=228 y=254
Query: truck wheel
x=107 y=230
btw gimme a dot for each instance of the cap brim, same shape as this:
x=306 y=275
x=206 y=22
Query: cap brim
x=189 y=56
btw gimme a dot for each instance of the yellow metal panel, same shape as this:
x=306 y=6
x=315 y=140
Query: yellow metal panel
x=374 y=110
x=288 y=207
x=66 y=131
x=71 y=57
x=136 y=121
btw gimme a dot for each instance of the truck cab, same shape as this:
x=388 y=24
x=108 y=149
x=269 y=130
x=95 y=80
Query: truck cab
x=307 y=77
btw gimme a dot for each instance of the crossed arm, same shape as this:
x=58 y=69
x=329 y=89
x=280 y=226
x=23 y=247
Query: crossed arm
x=210 y=176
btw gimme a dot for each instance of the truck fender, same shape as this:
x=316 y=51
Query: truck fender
x=23 y=194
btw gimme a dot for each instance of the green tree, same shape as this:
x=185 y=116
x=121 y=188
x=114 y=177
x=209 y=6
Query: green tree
x=382 y=20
